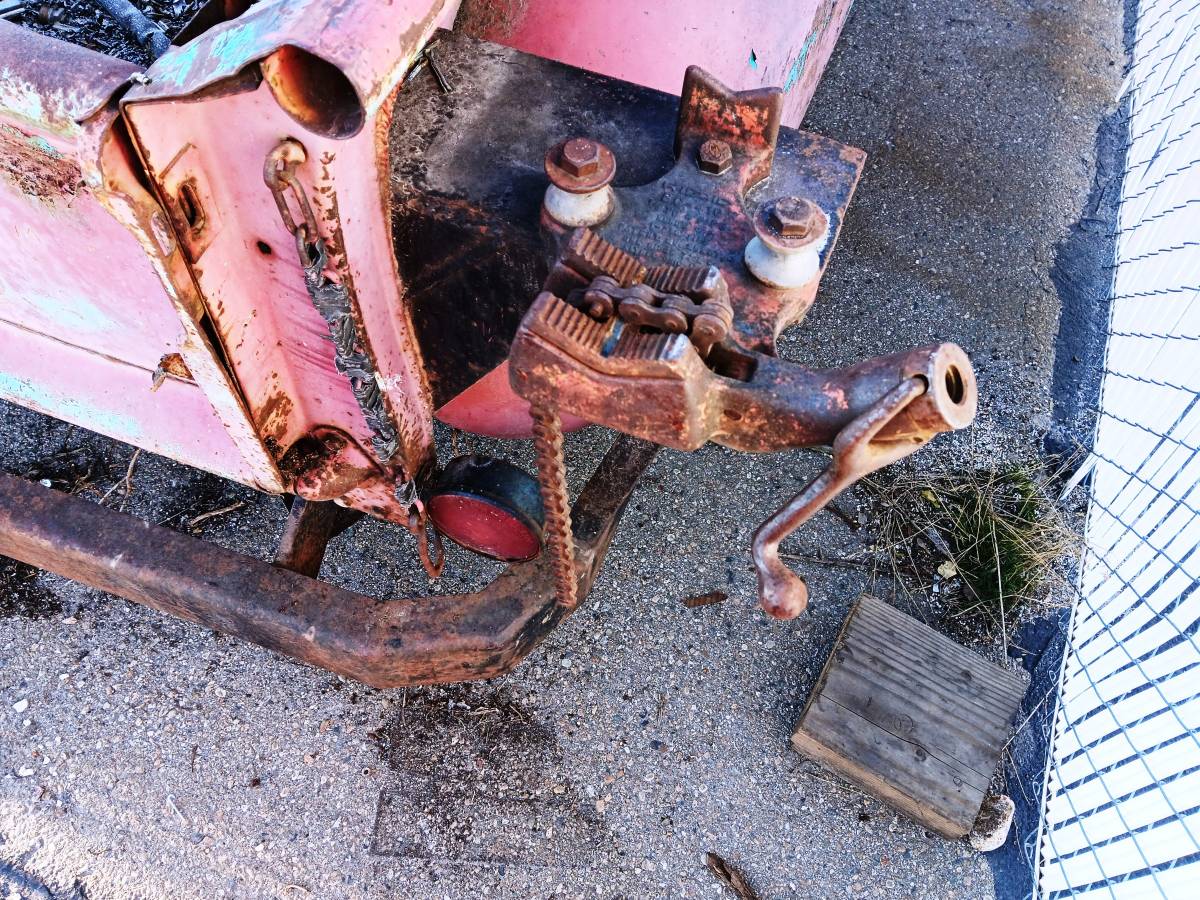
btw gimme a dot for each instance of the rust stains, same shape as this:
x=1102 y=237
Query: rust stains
x=36 y=169
x=271 y=419
x=397 y=643
x=492 y=20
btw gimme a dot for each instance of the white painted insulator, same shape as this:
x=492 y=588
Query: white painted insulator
x=579 y=210
x=785 y=269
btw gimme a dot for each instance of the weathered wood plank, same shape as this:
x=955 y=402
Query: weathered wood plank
x=910 y=716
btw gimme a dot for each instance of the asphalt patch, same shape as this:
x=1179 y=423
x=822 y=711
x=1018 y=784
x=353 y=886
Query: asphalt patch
x=23 y=594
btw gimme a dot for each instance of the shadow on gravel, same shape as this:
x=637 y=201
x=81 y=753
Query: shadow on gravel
x=16 y=882
x=476 y=779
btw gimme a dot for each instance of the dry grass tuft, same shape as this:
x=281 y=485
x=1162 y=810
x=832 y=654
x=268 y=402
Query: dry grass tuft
x=993 y=541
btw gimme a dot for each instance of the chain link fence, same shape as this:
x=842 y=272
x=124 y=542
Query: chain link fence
x=1121 y=803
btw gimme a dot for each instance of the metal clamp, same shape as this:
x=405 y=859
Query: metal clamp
x=599 y=342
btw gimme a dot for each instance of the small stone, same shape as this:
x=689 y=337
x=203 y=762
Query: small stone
x=46 y=482
x=948 y=569
x=24 y=772
x=993 y=823
x=21 y=705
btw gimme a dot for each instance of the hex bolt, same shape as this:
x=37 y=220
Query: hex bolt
x=786 y=250
x=580 y=157
x=580 y=171
x=714 y=157
x=795 y=217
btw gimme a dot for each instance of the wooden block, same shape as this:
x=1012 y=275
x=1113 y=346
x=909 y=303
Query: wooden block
x=910 y=716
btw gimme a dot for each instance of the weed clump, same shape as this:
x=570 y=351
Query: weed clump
x=990 y=541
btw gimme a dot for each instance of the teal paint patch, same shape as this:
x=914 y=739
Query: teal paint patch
x=43 y=146
x=237 y=46
x=798 y=63
x=801 y=60
x=86 y=415
x=174 y=66
x=753 y=60
x=225 y=53
x=72 y=314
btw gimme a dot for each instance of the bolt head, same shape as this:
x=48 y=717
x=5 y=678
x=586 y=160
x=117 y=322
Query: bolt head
x=580 y=166
x=790 y=224
x=714 y=157
x=796 y=217
x=580 y=157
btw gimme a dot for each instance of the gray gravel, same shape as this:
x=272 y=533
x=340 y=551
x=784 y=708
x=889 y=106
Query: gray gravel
x=141 y=757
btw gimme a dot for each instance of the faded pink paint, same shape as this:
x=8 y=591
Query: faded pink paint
x=71 y=271
x=274 y=338
x=99 y=281
x=84 y=317
x=746 y=44
x=82 y=387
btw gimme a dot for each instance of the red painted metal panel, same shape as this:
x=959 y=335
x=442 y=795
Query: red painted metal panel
x=490 y=407
x=70 y=270
x=85 y=303
x=747 y=44
x=320 y=74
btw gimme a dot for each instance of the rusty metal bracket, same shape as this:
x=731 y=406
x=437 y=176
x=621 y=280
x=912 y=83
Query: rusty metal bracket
x=384 y=643
x=577 y=350
x=310 y=526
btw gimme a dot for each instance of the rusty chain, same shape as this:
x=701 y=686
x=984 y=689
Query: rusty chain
x=691 y=300
x=552 y=479
x=331 y=298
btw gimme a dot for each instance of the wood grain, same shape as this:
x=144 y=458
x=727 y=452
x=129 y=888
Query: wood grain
x=910 y=716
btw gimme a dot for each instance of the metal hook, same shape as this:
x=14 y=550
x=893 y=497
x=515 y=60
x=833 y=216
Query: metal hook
x=279 y=173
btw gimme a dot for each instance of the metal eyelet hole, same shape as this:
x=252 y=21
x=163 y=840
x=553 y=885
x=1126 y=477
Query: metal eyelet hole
x=189 y=206
x=954 y=385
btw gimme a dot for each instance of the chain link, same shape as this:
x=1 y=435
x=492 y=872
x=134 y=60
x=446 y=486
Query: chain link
x=552 y=478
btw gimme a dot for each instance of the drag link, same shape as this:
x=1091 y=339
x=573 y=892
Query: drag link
x=552 y=479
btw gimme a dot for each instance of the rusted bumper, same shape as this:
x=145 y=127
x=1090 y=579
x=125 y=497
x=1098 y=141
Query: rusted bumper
x=383 y=643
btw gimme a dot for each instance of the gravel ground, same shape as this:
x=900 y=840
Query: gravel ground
x=141 y=757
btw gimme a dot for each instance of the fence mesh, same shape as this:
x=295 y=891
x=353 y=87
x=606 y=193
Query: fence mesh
x=1121 y=803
